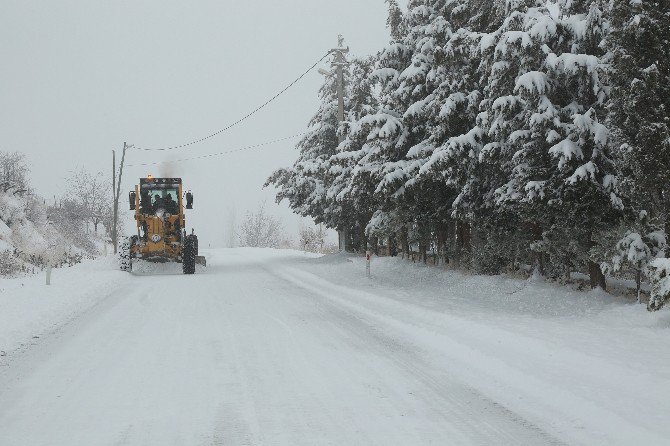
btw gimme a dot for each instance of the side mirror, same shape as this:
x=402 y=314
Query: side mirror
x=132 y=197
x=189 y=200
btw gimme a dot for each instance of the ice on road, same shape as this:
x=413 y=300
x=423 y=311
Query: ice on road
x=258 y=350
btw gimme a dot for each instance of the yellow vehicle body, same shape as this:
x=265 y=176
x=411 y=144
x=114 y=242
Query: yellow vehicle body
x=159 y=236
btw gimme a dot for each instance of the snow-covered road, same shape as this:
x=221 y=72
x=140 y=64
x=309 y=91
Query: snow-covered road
x=258 y=349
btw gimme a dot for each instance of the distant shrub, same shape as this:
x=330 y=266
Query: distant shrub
x=660 y=284
x=9 y=264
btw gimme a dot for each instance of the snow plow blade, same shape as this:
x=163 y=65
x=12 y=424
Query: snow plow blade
x=201 y=260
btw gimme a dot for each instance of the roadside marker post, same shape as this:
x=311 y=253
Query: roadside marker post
x=367 y=264
x=49 y=275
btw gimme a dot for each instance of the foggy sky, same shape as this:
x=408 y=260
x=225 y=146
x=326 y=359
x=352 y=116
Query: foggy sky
x=79 y=78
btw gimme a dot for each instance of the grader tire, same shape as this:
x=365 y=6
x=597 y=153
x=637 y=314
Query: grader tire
x=189 y=254
x=125 y=258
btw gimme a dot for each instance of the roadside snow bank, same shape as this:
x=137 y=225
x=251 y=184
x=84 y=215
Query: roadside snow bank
x=29 y=308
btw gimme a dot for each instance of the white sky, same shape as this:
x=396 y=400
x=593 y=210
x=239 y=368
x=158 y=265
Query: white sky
x=79 y=78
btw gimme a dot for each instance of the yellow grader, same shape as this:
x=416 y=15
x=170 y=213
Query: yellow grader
x=159 y=205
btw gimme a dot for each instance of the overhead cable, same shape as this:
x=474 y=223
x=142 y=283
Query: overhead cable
x=226 y=152
x=244 y=117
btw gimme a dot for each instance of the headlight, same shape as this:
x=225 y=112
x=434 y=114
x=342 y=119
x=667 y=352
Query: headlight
x=155 y=238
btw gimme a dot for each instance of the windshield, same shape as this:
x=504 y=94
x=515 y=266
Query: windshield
x=164 y=199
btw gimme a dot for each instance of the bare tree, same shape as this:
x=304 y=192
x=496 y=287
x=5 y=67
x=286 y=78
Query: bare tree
x=13 y=172
x=230 y=227
x=70 y=217
x=261 y=230
x=312 y=238
x=92 y=193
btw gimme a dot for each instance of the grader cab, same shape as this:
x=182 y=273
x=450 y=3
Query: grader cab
x=159 y=205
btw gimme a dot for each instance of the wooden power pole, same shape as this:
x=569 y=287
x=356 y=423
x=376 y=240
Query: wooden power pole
x=338 y=64
x=116 y=191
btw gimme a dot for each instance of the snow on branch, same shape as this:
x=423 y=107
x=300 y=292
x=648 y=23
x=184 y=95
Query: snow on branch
x=533 y=83
x=566 y=151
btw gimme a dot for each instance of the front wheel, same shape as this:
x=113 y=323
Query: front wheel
x=125 y=253
x=189 y=254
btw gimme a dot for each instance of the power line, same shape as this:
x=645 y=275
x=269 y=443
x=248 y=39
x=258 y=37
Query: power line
x=243 y=118
x=227 y=152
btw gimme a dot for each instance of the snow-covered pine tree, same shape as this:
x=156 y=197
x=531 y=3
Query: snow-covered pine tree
x=519 y=113
x=352 y=202
x=639 y=104
x=426 y=201
x=634 y=245
x=494 y=114
x=305 y=184
x=313 y=184
x=451 y=109
x=581 y=188
x=394 y=20
x=379 y=142
x=456 y=144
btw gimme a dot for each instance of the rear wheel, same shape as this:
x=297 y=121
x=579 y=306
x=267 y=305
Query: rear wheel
x=189 y=254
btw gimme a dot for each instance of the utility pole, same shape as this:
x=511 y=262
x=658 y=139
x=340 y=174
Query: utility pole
x=116 y=190
x=114 y=199
x=338 y=64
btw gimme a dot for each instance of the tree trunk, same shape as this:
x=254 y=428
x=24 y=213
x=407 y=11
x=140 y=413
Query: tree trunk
x=423 y=243
x=451 y=239
x=374 y=245
x=392 y=246
x=596 y=276
x=342 y=240
x=462 y=239
x=364 y=239
x=442 y=244
x=638 y=284
x=541 y=263
x=404 y=242
x=536 y=234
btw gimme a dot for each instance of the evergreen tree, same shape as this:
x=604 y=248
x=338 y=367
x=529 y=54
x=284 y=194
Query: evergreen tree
x=351 y=202
x=305 y=184
x=379 y=143
x=515 y=161
x=640 y=103
x=502 y=135
x=312 y=184
x=394 y=20
x=583 y=191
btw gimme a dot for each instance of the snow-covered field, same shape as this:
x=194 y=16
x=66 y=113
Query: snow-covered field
x=277 y=347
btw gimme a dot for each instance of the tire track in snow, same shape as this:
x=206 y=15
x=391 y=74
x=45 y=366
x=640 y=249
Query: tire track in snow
x=574 y=418
x=467 y=405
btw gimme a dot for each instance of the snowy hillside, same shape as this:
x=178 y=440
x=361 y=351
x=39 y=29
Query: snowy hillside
x=34 y=234
x=29 y=241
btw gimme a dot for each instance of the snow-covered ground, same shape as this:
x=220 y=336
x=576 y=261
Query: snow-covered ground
x=278 y=347
x=29 y=309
